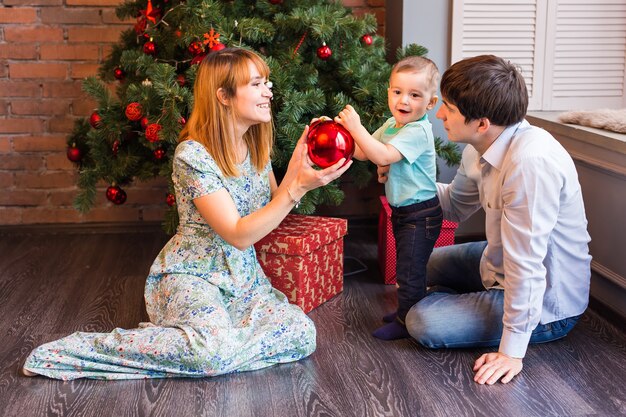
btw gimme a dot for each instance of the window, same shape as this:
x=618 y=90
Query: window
x=572 y=52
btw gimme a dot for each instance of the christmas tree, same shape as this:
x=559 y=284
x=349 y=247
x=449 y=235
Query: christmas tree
x=321 y=58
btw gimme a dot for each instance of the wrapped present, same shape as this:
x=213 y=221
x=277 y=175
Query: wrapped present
x=387 y=243
x=303 y=258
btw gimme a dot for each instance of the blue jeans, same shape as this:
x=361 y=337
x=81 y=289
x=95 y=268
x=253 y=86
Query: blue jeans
x=416 y=228
x=460 y=312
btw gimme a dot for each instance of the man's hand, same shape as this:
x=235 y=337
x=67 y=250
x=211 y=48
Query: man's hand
x=490 y=367
x=382 y=171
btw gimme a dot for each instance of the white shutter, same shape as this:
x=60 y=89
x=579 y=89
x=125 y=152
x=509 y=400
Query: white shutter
x=572 y=52
x=587 y=69
x=511 y=29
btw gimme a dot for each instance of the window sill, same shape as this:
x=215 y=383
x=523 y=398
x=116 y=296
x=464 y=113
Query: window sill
x=599 y=148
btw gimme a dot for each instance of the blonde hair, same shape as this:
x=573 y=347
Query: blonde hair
x=419 y=64
x=211 y=122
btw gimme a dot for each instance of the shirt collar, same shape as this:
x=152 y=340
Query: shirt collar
x=495 y=154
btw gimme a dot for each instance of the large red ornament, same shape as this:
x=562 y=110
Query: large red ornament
x=116 y=195
x=95 y=120
x=324 y=52
x=133 y=111
x=149 y=48
x=74 y=154
x=152 y=132
x=170 y=199
x=328 y=142
x=367 y=39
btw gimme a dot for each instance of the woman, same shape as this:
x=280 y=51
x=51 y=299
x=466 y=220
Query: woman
x=212 y=310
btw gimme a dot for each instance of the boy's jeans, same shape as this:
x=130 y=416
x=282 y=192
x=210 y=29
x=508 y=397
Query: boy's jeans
x=416 y=228
x=460 y=312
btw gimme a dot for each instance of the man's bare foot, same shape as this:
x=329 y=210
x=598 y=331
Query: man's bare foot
x=26 y=372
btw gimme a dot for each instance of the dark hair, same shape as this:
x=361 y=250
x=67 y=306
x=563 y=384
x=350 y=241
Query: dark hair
x=486 y=86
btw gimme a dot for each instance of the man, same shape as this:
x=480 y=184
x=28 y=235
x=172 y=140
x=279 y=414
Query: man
x=529 y=282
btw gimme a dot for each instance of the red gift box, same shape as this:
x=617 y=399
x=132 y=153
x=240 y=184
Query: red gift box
x=303 y=258
x=387 y=243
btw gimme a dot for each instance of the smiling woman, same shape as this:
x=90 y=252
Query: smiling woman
x=212 y=309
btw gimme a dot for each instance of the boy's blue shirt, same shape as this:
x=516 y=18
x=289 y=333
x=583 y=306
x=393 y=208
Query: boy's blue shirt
x=413 y=178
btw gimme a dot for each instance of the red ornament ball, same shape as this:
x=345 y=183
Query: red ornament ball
x=118 y=73
x=195 y=48
x=367 y=39
x=197 y=59
x=144 y=122
x=152 y=132
x=159 y=153
x=115 y=147
x=328 y=142
x=170 y=199
x=218 y=47
x=133 y=111
x=74 y=154
x=95 y=120
x=324 y=52
x=149 y=48
x=116 y=195
x=276 y=1
x=181 y=80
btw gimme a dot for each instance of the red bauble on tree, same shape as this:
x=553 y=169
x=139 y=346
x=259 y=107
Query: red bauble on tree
x=197 y=59
x=367 y=39
x=115 y=194
x=119 y=74
x=95 y=120
x=170 y=199
x=144 y=122
x=218 y=47
x=133 y=111
x=152 y=132
x=149 y=48
x=195 y=48
x=181 y=80
x=328 y=142
x=115 y=147
x=74 y=153
x=159 y=153
x=324 y=52
x=276 y=1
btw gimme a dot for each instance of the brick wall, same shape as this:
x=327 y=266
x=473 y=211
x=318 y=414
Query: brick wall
x=46 y=48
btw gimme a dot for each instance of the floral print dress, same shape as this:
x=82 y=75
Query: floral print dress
x=212 y=309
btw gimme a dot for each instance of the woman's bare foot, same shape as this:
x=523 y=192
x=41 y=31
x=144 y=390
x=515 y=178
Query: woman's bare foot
x=26 y=372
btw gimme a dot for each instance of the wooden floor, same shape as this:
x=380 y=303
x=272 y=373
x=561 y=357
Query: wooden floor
x=54 y=282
